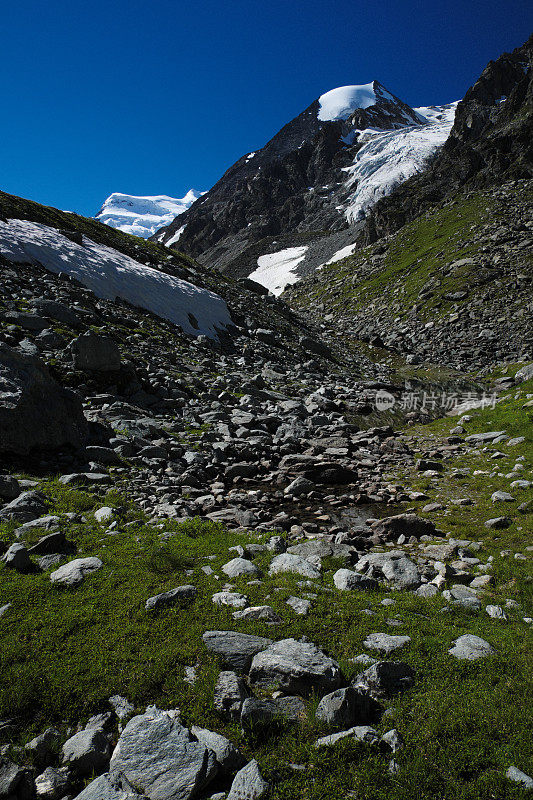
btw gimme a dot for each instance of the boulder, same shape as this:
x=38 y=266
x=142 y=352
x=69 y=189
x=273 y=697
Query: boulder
x=234 y=650
x=400 y=571
x=17 y=558
x=406 y=524
x=240 y=566
x=25 y=508
x=249 y=784
x=470 y=648
x=362 y=733
x=109 y=787
x=385 y=642
x=16 y=782
x=229 y=758
x=35 y=411
x=286 y=562
x=230 y=693
x=161 y=758
x=347 y=580
x=181 y=594
x=295 y=667
x=94 y=353
x=260 y=713
x=263 y=613
x=386 y=678
x=345 y=707
x=74 y=572
x=53 y=783
x=86 y=752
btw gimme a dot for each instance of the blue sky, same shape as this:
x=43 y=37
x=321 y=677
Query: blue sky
x=157 y=97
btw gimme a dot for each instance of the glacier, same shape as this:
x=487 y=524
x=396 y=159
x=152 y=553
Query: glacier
x=110 y=274
x=143 y=216
x=388 y=158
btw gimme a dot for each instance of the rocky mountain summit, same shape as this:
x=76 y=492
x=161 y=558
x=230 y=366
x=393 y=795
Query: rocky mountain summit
x=318 y=175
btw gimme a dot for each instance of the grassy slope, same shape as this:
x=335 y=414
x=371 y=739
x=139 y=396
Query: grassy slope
x=63 y=652
x=417 y=254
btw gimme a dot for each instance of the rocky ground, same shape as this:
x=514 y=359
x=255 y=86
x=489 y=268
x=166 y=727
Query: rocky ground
x=229 y=571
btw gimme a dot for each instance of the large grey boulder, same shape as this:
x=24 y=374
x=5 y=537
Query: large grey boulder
x=404 y=524
x=74 y=572
x=295 y=667
x=345 y=707
x=228 y=757
x=94 y=353
x=35 y=411
x=234 y=650
x=86 y=752
x=53 y=783
x=395 y=567
x=161 y=758
x=248 y=784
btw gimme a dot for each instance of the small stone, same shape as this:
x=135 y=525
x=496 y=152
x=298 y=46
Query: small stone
x=516 y=775
x=181 y=594
x=240 y=566
x=299 y=605
x=385 y=642
x=496 y=612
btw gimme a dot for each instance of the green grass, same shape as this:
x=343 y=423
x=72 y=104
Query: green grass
x=63 y=652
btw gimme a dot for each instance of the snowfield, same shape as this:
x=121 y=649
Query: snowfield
x=111 y=274
x=276 y=270
x=391 y=157
x=143 y=216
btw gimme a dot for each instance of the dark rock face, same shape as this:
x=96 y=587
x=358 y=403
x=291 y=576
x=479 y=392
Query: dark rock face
x=491 y=142
x=267 y=194
x=35 y=411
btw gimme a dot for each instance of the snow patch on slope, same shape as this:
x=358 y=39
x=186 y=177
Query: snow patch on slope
x=391 y=157
x=111 y=274
x=344 y=252
x=143 y=216
x=276 y=270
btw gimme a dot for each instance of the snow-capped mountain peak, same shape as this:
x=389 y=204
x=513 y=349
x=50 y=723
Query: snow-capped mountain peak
x=143 y=216
x=340 y=103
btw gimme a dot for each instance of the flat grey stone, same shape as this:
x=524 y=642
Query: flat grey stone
x=385 y=642
x=181 y=594
x=234 y=650
x=295 y=667
x=299 y=605
x=470 y=647
x=496 y=612
x=232 y=599
x=427 y=590
x=362 y=733
x=74 y=572
x=161 y=758
x=263 y=613
x=501 y=497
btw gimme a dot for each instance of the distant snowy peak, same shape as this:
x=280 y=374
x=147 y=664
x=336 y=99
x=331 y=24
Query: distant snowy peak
x=143 y=216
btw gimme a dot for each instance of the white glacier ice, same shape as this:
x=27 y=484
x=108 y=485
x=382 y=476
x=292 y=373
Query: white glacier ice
x=111 y=274
x=388 y=158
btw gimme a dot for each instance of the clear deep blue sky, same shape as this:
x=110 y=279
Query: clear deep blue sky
x=156 y=97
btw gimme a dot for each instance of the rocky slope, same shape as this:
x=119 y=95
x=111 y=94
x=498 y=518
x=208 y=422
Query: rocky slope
x=490 y=142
